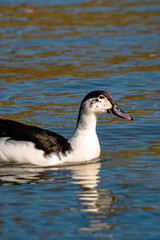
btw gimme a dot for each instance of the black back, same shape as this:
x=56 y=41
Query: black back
x=43 y=139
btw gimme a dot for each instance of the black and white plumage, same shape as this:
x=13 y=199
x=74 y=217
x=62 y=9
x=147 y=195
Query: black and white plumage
x=23 y=143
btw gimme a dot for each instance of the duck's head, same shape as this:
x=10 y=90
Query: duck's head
x=101 y=102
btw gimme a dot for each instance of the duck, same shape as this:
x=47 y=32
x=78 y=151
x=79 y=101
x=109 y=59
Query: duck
x=27 y=144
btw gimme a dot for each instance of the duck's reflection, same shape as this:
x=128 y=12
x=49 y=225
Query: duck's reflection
x=91 y=197
x=87 y=176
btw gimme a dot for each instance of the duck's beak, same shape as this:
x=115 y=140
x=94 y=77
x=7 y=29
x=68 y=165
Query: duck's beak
x=118 y=112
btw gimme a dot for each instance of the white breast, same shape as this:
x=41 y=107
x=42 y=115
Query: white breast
x=85 y=146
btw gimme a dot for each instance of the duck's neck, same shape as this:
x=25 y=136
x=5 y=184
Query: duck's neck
x=84 y=142
x=86 y=123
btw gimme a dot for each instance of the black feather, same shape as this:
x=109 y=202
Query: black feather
x=43 y=139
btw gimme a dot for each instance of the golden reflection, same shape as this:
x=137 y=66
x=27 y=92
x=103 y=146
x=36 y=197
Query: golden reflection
x=132 y=157
x=46 y=22
x=59 y=15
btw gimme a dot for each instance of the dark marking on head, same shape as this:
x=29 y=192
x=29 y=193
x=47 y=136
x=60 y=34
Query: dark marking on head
x=94 y=94
x=91 y=103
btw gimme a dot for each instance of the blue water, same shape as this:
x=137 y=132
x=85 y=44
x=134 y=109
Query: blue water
x=51 y=54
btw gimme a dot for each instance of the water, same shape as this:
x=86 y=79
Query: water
x=51 y=54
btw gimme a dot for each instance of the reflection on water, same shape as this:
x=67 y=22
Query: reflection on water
x=86 y=176
x=90 y=195
x=51 y=54
x=91 y=198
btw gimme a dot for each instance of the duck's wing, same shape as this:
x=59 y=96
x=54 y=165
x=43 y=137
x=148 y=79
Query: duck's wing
x=43 y=139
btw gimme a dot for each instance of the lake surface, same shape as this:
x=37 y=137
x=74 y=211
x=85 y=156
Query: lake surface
x=51 y=54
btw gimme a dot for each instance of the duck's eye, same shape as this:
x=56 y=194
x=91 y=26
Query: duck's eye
x=101 y=97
